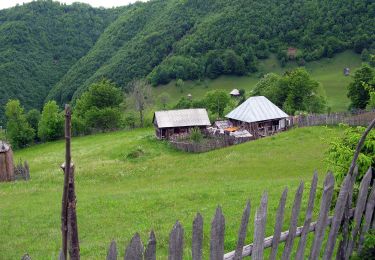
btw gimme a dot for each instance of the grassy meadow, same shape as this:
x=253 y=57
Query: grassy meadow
x=118 y=196
x=329 y=72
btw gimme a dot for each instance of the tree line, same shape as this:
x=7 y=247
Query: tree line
x=106 y=107
x=100 y=109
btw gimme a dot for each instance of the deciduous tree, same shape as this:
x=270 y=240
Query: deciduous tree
x=141 y=96
x=19 y=132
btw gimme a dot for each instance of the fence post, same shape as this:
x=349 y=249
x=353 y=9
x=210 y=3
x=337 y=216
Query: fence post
x=323 y=216
x=306 y=225
x=176 y=242
x=112 y=251
x=359 y=208
x=197 y=238
x=217 y=236
x=242 y=232
x=134 y=250
x=293 y=222
x=278 y=224
x=150 y=252
x=368 y=216
x=259 y=229
x=338 y=216
x=64 y=207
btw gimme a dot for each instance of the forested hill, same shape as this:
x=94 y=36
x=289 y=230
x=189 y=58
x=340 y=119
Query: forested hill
x=45 y=45
x=189 y=39
x=39 y=42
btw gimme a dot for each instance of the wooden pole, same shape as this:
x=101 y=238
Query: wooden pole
x=72 y=219
x=66 y=168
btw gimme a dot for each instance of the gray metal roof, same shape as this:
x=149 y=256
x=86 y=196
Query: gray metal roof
x=235 y=92
x=182 y=117
x=256 y=109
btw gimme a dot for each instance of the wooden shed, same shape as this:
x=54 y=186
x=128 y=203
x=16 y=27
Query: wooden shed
x=259 y=116
x=6 y=163
x=172 y=123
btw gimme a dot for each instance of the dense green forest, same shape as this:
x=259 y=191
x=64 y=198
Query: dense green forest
x=39 y=42
x=53 y=51
x=191 y=39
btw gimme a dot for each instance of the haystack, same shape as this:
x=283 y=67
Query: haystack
x=6 y=162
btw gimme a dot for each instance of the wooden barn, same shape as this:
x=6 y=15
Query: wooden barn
x=259 y=116
x=174 y=123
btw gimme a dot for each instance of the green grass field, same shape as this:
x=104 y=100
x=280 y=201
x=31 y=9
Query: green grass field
x=329 y=72
x=118 y=196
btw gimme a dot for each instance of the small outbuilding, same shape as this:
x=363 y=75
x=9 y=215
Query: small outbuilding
x=172 y=123
x=259 y=116
x=6 y=162
x=235 y=93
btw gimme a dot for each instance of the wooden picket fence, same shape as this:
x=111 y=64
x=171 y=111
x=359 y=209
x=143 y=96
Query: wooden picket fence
x=212 y=143
x=361 y=214
x=359 y=118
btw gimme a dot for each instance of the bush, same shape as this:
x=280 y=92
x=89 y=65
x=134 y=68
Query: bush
x=341 y=151
x=136 y=153
x=196 y=135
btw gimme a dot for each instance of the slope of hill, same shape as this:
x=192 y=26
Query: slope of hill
x=327 y=71
x=118 y=196
x=39 y=42
x=164 y=40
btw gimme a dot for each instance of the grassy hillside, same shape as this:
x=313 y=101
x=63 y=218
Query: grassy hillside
x=328 y=71
x=118 y=196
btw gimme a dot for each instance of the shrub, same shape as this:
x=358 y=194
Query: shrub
x=341 y=151
x=196 y=135
x=136 y=153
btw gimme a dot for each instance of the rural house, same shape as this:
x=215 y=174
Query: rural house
x=171 y=123
x=259 y=116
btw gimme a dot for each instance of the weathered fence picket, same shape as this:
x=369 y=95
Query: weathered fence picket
x=278 y=224
x=197 y=239
x=150 y=252
x=242 y=232
x=337 y=218
x=293 y=223
x=310 y=207
x=360 y=207
x=217 y=236
x=369 y=212
x=323 y=216
x=259 y=228
x=134 y=251
x=112 y=251
x=176 y=242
